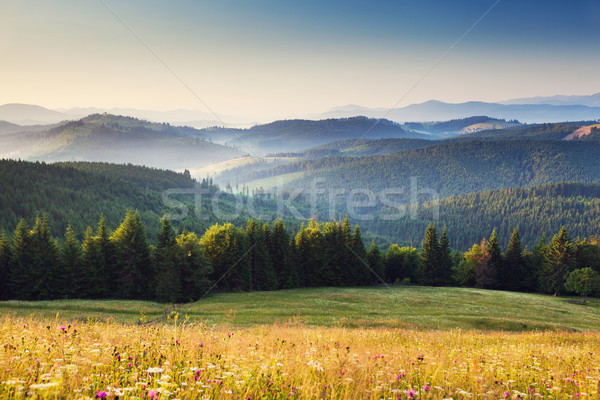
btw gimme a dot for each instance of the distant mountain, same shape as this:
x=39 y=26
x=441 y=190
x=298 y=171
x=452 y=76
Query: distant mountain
x=28 y=114
x=296 y=135
x=7 y=127
x=592 y=100
x=434 y=110
x=194 y=118
x=109 y=138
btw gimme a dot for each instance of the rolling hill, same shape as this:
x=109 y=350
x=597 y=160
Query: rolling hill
x=297 y=135
x=461 y=126
x=118 y=139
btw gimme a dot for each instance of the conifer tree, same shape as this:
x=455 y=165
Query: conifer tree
x=133 y=259
x=279 y=251
x=374 y=259
x=263 y=274
x=227 y=249
x=22 y=263
x=108 y=267
x=93 y=282
x=495 y=260
x=168 y=279
x=362 y=275
x=47 y=277
x=559 y=262
x=71 y=259
x=194 y=267
x=5 y=260
x=512 y=276
x=445 y=260
x=430 y=254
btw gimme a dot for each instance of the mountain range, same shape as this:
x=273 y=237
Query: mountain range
x=530 y=110
x=434 y=110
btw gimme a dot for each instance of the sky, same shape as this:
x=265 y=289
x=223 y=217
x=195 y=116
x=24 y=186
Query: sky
x=281 y=59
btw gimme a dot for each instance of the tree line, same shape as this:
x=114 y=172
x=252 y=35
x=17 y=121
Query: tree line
x=182 y=267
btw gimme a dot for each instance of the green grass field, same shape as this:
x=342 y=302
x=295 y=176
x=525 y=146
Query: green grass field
x=397 y=307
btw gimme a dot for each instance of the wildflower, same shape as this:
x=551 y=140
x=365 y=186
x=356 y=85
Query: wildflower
x=101 y=395
x=152 y=394
x=427 y=388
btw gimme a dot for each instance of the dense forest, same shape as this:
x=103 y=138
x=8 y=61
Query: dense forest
x=182 y=267
x=535 y=210
x=79 y=193
x=456 y=167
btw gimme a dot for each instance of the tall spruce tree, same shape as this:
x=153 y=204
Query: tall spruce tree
x=263 y=274
x=133 y=259
x=430 y=254
x=71 y=260
x=22 y=263
x=279 y=251
x=195 y=268
x=93 y=282
x=362 y=276
x=445 y=260
x=374 y=259
x=512 y=277
x=108 y=267
x=495 y=261
x=168 y=279
x=5 y=260
x=560 y=260
x=47 y=276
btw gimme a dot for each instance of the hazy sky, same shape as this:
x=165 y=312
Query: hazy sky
x=273 y=59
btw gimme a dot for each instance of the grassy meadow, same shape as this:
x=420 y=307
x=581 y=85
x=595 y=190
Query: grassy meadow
x=343 y=343
x=411 y=307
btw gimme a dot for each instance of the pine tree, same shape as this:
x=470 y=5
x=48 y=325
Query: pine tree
x=445 y=260
x=71 y=259
x=195 y=268
x=279 y=251
x=47 y=277
x=168 y=279
x=22 y=263
x=5 y=260
x=495 y=261
x=512 y=277
x=430 y=254
x=374 y=259
x=133 y=259
x=362 y=276
x=263 y=274
x=93 y=282
x=560 y=261
x=107 y=273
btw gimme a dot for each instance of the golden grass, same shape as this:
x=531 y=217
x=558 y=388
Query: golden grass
x=48 y=358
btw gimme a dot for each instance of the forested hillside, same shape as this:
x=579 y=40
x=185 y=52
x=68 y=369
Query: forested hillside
x=456 y=167
x=554 y=131
x=469 y=218
x=294 y=135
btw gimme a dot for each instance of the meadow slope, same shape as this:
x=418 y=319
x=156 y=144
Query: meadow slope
x=410 y=307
